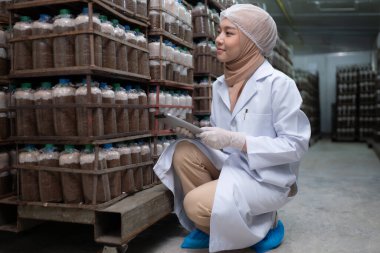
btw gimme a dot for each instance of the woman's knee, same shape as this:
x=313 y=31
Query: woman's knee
x=181 y=151
x=191 y=205
x=196 y=208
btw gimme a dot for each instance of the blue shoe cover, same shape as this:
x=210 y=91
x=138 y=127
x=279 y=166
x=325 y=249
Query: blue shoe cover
x=272 y=240
x=196 y=240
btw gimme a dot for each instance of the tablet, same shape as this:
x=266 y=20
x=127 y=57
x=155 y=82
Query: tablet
x=177 y=122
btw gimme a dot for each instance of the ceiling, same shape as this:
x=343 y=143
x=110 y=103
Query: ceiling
x=325 y=26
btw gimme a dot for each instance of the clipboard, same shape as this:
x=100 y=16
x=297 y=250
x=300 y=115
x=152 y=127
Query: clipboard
x=174 y=122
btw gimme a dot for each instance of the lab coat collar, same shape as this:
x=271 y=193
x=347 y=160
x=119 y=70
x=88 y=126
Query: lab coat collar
x=249 y=90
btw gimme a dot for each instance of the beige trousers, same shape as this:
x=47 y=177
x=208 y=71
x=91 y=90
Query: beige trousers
x=198 y=177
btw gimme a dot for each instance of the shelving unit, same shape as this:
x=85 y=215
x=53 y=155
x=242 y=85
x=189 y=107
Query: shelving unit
x=16 y=213
x=207 y=67
x=355 y=109
x=367 y=103
x=7 y=175
x=281 y=58
x=168 y=32
x=346 y=104
x=308 y=85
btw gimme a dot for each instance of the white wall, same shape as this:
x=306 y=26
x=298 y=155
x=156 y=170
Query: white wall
x=325 y=65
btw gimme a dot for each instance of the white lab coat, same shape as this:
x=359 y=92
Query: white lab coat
x=252 y=185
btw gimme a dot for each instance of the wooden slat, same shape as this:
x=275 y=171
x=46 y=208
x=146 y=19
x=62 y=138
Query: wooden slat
x=124 y=220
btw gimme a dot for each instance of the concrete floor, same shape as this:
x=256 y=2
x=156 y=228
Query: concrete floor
x=337 y=210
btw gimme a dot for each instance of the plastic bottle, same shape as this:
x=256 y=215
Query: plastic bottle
x=64 y=46
x=119 y=2
x=87 y=162
x=182 y=102
x=29 y=178
x=159 y=148
x=65 y=121
x=82 y=41
x=25 y=118
x=147 y=170
x=113 y=160
x=4 y=62
x=42 y=48
x=131 y=5
x=23 y=49
x=156 y=20
x=137 y=171
x=152 y=111
x=45 y=118
x=144 y=117
x=121 y=49
x=109 y=46
x=162 y=102
x=155 y=70
x=71 y=182
x=4 y=122
x=109 y=114
x=122 y=117
x=133 y=113
x=142 y=8
x=199 y=20
x=132 y=52
x=50 y=182
x=189 y=111
x=86 y=126
x=127 y=181
x=143 y=57
x=176 y=102
x=154 y=48
x=5 y=175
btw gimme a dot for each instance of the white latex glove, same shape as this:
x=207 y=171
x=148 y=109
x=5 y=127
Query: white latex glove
x=219 y=138
x=184 y=133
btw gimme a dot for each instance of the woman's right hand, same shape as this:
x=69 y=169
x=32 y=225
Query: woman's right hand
x=184 y=133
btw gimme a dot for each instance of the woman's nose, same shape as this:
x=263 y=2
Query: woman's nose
x=219 y=40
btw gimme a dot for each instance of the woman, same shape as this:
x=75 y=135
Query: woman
x=229 y=183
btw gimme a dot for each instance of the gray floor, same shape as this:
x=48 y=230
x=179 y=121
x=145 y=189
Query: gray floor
x=336 y=210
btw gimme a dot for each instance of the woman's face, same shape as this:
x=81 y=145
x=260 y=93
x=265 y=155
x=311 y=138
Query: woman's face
x=227 y=42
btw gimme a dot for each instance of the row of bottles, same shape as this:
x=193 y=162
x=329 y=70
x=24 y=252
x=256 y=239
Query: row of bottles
x=205 y=59
x=74 y=121
x=69 y=51
x=377 y=103
x=202 y=93
x=4 y=118
x=136 y=7
x=205 y=21
x=347 y=88
x=161 y=145
x=4 y=57
x=58 y=186
x=177 y=27
x=170 y=62
x=7 y=174
x=281 y=63
x=170 y=52
x=347 y=74
x=172 y=99
x=173 y=8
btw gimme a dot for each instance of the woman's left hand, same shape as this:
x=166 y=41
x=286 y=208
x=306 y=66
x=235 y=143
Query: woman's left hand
x=219 y=138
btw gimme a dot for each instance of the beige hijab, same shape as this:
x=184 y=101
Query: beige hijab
x=239 y=70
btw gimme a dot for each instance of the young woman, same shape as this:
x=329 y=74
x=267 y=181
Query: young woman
x=229 y=183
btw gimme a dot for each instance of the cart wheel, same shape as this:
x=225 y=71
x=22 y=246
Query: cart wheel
x=122 y=248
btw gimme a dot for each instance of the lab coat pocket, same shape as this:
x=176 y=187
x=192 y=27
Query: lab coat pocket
x=256 y=124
